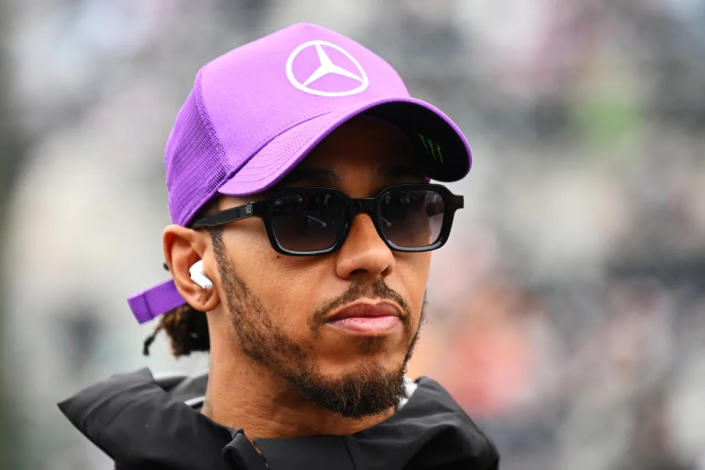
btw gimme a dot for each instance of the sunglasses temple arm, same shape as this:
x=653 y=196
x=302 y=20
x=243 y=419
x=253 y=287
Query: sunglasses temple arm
x=226 y=216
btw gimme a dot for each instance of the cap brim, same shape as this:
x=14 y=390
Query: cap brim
x=448 y=155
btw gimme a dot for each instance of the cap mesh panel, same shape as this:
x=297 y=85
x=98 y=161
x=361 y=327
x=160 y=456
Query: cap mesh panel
x=196 y=165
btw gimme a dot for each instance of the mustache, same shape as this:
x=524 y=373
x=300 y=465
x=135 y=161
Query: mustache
x=357 y=290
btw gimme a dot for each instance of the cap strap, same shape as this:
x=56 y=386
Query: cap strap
x=155 y=301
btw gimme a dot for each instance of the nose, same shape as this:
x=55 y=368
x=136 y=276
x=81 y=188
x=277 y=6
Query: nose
x=364 y=254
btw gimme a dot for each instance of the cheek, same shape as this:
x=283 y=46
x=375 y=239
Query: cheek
x=287 y=296
x=284 y=285
x=413 y=273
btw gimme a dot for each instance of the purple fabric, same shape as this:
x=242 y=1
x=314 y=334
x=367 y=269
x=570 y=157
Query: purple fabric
x=256 y=111
x=155 y=301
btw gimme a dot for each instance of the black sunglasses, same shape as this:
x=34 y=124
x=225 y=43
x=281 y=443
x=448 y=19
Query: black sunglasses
x=316 y=221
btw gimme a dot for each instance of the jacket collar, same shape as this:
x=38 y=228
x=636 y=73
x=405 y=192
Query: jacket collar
x=138 y=423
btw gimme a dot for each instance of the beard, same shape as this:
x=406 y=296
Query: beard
x=369 y=389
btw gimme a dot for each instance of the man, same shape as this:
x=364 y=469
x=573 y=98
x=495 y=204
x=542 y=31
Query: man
x=303 y=218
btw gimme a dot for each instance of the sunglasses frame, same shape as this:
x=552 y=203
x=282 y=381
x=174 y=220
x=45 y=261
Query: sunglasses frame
x=352 y=207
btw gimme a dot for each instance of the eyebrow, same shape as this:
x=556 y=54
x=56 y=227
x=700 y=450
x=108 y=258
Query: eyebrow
x=403 y=171
x=328 y=176
x=297 y=175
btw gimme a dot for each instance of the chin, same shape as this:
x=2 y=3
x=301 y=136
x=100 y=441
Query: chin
x=366 y=362
x=362 y=389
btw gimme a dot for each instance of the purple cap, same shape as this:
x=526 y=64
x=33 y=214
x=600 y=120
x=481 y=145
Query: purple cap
x=255 y=112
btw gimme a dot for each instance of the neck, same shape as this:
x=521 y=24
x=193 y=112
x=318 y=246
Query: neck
x=243 y=394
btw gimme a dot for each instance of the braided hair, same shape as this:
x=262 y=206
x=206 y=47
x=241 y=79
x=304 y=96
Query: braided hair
x=187 y=329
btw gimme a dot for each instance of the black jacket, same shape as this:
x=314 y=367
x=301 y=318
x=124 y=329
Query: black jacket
x=144 y=424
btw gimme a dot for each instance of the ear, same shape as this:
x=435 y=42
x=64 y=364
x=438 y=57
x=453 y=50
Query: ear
x=182 y=248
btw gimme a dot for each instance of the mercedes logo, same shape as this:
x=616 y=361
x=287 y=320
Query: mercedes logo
x=312 y=74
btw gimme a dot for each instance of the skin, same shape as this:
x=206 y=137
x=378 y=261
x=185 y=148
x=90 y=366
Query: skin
x=358 y=158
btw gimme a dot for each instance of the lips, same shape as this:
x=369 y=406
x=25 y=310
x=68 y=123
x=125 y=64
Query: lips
x=366 y=318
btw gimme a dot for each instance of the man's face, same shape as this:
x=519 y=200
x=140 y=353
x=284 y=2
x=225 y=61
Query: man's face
x=306 y=318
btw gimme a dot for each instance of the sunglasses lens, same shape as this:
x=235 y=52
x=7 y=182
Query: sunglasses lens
x=412 y=218
x=307 y=221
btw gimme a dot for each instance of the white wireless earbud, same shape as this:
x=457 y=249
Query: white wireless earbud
x=197 y=276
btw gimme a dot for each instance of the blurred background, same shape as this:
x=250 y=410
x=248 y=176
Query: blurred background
x=566 y=314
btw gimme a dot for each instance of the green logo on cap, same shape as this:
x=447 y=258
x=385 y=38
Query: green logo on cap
x=431 y=147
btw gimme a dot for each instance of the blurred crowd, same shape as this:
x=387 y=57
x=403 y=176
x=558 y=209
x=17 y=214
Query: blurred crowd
x=566 y=314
